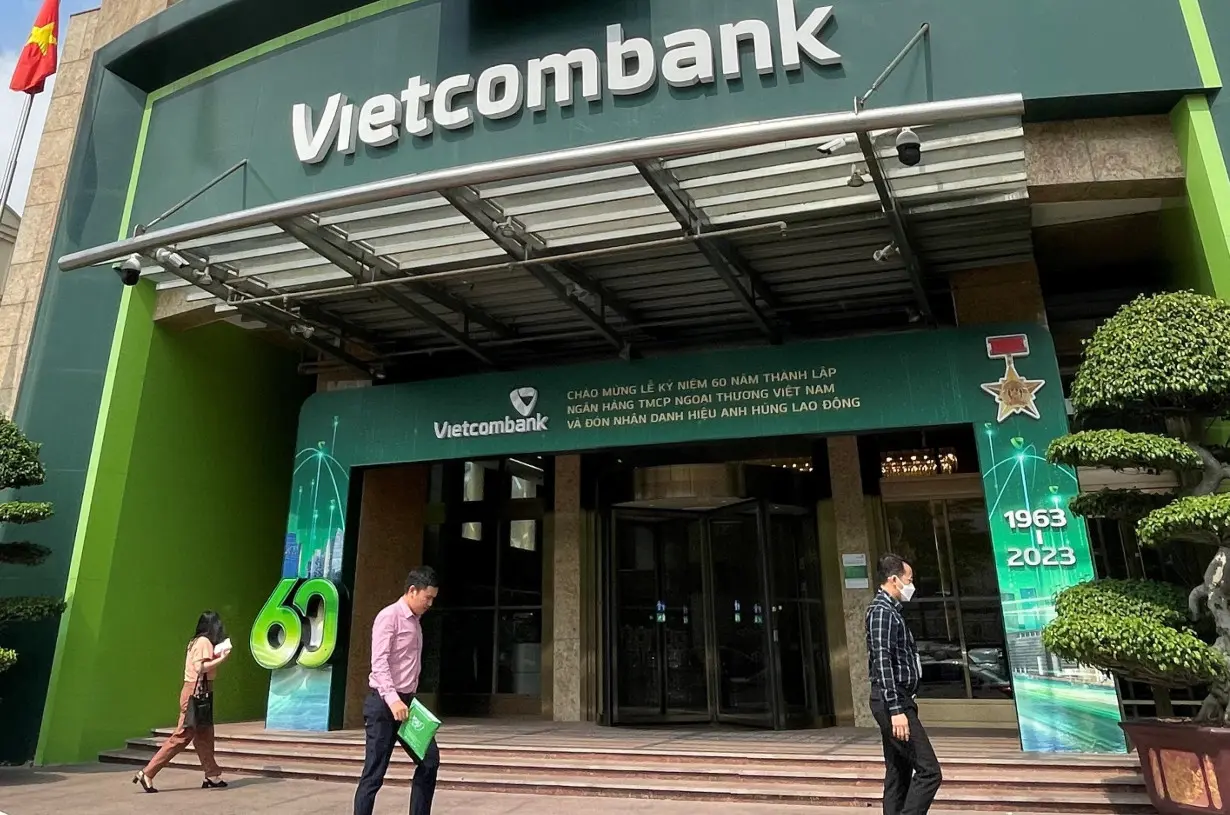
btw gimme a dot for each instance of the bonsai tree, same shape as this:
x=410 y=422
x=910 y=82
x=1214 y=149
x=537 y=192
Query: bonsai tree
x=1153 y=381
x=20 y=467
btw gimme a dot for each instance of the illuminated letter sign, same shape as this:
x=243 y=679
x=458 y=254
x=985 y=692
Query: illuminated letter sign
x=633 y=66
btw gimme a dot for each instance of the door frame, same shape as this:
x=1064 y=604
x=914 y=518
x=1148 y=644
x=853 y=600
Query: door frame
x=617 y=717
x=771 y=719
x=788 y=717
x=779 y=716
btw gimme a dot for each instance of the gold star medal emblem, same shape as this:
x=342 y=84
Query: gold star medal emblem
x=1015 y=394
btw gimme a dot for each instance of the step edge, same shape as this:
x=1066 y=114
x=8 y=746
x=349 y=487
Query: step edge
x=581 y=783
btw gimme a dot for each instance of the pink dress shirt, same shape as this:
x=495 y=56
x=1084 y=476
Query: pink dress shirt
x=397 y=652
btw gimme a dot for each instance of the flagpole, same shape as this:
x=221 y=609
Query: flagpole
x=10 y=170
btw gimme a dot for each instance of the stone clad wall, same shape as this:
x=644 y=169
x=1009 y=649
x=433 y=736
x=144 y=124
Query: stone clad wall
x=23 y=289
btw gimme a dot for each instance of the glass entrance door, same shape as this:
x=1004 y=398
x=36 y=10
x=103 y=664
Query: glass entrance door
x=797 y=611
x=713 y=618
x=955 y=615
x=743 y=670
x=661 y=668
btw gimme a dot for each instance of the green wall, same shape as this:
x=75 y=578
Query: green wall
x=62 y=389
x=1216 y=16
x=188 y=502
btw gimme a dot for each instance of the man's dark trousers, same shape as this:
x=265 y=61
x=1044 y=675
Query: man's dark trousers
x=911 y=771
x=382 y=738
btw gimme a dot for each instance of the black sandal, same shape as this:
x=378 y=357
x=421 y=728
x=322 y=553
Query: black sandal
x=140 y=778
x=214 y=785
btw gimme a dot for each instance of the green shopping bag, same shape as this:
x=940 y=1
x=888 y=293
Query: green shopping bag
x=419 y=728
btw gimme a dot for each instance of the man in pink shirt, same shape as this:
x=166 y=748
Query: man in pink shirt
x=397 y=657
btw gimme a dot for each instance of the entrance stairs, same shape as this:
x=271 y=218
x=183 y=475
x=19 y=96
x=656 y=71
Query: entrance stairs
x=840 y=768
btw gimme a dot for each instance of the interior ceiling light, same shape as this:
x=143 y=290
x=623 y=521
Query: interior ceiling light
x=856 y=179
x=914 y=463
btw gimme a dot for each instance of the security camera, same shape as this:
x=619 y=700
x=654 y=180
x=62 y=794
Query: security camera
x=833 y=145
x=167 y=257
x=883 y=255
x=129 y=270
x=909 y=147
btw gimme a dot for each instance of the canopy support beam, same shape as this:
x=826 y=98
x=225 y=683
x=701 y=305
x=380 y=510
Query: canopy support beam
x=383 y=268
x=199 y=273
x=721 y=255
x=898 y=224
x=327 y=248
x=519 y=244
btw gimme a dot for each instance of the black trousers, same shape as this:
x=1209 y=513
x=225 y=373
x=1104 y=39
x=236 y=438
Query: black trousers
x=382 y=738
x=911 y=771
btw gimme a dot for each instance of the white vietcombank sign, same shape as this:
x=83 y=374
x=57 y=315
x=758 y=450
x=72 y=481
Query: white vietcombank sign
x=523 y=400
x=501 y=91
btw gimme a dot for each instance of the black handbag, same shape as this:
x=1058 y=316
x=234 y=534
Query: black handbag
x=200 y=711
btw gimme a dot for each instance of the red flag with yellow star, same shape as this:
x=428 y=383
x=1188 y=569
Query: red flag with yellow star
x=38 y=59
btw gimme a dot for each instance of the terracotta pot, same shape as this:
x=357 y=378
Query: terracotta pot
x=1186 y=766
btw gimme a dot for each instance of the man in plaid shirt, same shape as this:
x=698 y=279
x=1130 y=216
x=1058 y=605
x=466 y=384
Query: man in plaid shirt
x=911 y=771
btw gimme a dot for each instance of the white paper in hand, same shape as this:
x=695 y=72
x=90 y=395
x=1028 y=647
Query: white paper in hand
x=223 y=647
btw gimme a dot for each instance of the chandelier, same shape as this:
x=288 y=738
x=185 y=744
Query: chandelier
x=916 y=463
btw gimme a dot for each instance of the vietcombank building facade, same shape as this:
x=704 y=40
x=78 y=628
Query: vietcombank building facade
x=645 y=323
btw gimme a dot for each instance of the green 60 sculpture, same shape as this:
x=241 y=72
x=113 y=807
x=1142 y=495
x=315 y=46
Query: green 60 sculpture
x=298 y=624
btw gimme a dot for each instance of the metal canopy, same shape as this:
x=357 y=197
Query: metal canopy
x=725 y=235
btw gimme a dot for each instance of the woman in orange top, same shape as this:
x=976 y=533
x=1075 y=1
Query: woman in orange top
x=203 y=655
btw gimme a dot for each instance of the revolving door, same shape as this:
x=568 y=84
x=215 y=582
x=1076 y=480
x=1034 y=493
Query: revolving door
x=715 y=616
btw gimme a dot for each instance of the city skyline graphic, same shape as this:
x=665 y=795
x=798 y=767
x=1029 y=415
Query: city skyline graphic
x=315 y=534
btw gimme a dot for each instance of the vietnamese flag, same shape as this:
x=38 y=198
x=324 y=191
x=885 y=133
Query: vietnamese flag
x=38 y=60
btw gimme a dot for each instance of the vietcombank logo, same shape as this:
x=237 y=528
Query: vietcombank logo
x=523 y=400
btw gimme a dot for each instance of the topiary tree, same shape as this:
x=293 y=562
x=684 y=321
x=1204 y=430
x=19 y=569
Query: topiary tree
x=1153 y=380
x=20 y=467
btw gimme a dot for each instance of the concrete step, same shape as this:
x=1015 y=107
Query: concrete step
x=692 y=769
x=853 y=757
x=988 y=796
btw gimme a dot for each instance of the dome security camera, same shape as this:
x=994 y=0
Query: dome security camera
x=129 y=270
x=909 y=147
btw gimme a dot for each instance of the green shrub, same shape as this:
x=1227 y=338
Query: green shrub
x=20 y=467
x=1161 y=362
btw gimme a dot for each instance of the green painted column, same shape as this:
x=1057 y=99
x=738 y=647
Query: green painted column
x=74 y=672
x=184 y=510
x=1201 y=230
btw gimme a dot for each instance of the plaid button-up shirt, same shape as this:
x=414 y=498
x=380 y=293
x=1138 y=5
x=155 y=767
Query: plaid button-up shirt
x=892 y=656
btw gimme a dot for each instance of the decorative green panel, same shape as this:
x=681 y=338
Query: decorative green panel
x=1003 y=380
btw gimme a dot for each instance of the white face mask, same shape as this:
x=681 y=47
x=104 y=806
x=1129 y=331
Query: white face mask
x=907 y=592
